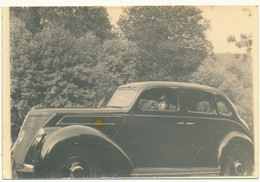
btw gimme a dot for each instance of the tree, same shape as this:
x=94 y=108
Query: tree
x=29 y=16
x=55 y=66
x=19 y=62
x=232 y=76
x=244 y=43
x=77 y=20
x=74 y=79
x=121 y=57
x=171 y=40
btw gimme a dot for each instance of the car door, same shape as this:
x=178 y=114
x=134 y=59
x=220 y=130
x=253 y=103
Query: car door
x=200 y=127
x=152 y=135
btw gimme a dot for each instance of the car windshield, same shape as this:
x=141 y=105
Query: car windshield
x=122 y=97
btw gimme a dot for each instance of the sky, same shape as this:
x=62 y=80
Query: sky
x=224 y=21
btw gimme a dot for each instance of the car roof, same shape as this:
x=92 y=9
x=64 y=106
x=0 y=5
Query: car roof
x=144 y=85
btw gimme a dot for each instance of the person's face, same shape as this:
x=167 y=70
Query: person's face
x=162 y=105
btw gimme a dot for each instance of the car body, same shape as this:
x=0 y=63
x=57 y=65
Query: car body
x=147 y=129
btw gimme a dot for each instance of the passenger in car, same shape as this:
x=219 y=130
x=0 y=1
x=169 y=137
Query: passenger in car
x=164 y=104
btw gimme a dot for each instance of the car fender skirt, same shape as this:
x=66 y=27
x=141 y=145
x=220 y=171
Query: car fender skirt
x=109 y=154
x=235 y=140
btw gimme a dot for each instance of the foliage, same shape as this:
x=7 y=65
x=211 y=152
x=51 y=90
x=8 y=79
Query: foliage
x=77 y=20
x=232 y=76
x=53 y=66
x=30 y=17
x=70 y=57
x=244 y=43
x=19 y=53
x=121 y=58
x=171 y=40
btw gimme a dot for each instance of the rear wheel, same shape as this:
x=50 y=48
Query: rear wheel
x=237 y=162
x=76 y=163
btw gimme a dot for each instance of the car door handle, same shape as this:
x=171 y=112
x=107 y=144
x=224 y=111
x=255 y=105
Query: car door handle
x=185 y=123
x=180 y=123
x=189 y=123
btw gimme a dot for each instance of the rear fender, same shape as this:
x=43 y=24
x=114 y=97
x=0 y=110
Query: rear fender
x=235 y=140
x=112 y=157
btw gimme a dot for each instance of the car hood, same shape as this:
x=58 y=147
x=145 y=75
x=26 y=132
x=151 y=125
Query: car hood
x=77 y=111
x=36 y=118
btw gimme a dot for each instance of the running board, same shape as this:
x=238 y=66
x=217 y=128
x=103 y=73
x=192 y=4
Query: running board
x=171 y=172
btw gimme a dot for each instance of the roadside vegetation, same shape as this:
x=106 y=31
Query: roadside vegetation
x=72 y=56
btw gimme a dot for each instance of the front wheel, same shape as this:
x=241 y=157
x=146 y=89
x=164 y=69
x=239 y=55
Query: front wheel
x=237 y=162
x=75 y=163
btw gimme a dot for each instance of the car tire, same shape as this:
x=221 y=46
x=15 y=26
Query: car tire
x=237 y=162
x=75 y=163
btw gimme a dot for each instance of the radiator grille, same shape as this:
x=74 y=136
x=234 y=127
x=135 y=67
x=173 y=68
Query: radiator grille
x=28 y=131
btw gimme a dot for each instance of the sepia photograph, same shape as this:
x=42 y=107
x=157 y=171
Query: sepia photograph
x=131 y=92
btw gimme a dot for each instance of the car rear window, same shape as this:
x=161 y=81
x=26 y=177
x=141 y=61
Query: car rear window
x=223 y=108
x=199 y=101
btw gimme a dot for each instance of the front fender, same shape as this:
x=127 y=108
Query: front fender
x=84 y=137
x=235 y=140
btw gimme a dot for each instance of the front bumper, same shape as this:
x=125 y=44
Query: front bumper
x=23 y=171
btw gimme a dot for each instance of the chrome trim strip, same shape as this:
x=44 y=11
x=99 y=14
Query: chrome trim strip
x=48 y=120
x=204 y=113
x=189 y=117
x=88 y=124
x=162 y=111
x=185 y=117
x=175 y=174
x=89 y=115
x=176 y=171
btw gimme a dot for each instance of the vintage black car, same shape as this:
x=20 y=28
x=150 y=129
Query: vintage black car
x=146 y=129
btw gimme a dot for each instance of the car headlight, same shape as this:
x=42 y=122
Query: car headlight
x=39 y=135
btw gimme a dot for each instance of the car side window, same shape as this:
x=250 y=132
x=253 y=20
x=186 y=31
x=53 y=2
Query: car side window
x=159 y=99
x=222 y=106
x=199 y=101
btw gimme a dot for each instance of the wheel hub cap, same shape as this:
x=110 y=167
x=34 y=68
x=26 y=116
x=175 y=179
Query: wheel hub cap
x=239 y=168
x=77 y=171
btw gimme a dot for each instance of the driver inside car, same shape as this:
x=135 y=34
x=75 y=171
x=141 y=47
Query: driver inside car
x=162 y=104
